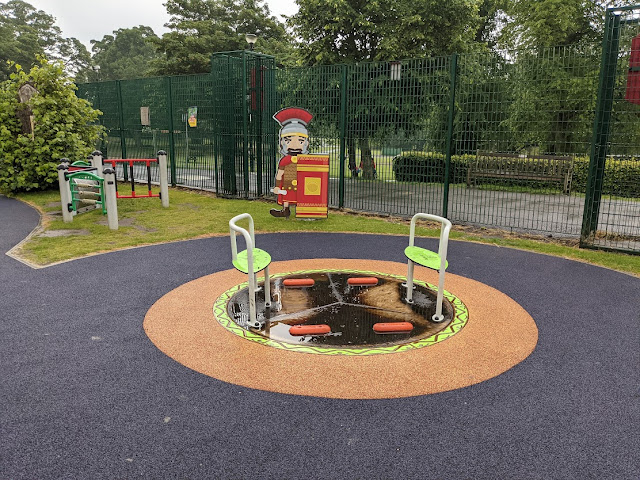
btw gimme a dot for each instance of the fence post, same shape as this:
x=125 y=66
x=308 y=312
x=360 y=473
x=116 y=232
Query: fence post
x=452 y=107
x=245 y=125
x=109 y=190
x=123 y=142
x=65 y=192
x=96 y=161
x=172 y=146
x=164 y=184
x=601 y=126
x=343 y=134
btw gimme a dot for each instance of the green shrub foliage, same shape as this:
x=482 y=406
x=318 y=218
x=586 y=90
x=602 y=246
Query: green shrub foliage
x=64 y=127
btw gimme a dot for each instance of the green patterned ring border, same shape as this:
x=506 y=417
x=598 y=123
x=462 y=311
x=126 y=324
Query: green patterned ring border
x=460 y=318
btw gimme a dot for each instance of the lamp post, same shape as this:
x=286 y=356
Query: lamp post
x=251 y=39
x=96 y=68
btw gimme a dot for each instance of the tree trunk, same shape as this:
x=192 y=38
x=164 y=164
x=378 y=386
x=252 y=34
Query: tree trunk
x=366 y=159
x=351 y=148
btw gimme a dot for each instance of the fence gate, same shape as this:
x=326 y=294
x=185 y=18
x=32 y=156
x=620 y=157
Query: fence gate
x=611 y=217
x=244 y=134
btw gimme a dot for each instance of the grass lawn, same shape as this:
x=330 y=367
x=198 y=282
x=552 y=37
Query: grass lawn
x=194 y=214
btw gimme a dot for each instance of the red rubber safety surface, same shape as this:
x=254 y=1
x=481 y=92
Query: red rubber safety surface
x=298 y=282
x=310 y=329
x=362 y=281
x=392 y=327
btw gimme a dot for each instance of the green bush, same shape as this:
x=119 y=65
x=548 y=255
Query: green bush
x=429 y=167
x=63 y=128
x=621 y=176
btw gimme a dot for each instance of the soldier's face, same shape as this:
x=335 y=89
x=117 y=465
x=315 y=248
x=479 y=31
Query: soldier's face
x=294 y=144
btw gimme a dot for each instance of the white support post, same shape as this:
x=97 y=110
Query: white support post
x=96 y=162
x=267 y=288
x=442 y=252
x=164 y=180
x=410 y=267
x=65 y=191
x=110 y=199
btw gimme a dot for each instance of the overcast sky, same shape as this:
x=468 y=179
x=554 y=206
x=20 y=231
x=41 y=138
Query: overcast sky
x=93 y=19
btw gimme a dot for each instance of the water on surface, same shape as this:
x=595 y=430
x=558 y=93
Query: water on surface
x=350 y=311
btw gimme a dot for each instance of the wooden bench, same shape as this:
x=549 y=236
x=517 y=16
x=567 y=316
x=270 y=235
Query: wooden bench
x=511 y=166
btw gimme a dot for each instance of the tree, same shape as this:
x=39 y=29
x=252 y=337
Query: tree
x=556 y=23
x=126 y=54
x=378 y=104
x=26 y=33
x=75 y=57
x=492 y=19
x=202 y=27
x=357 y=30
x=52 y=124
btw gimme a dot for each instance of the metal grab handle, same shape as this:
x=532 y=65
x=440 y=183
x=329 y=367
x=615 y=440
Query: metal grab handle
x=442 y=253
x=444 y=234
x=249 y=238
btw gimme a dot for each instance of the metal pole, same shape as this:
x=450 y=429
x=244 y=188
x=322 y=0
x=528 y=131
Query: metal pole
x=343 y=134
x=172 y=146
x=123 y=142
x=601 y=126
x=245 y=125
x=259 y=93
x=452 y=107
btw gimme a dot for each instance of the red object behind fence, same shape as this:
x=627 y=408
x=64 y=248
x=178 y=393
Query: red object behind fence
x=633 y=77
x=130 y=162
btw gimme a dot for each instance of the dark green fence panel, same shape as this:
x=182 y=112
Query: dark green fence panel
x=475 y=137
x=244 y=101
x=530 y=104
x=316 y=89
x=612 y=206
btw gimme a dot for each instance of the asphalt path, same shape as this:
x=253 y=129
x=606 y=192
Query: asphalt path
x=85 y=394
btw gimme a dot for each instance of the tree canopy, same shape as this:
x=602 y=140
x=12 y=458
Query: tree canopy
x=26 y=32
x=334 y=31
x=555 y=23
x=202 y=27
x=126 y=54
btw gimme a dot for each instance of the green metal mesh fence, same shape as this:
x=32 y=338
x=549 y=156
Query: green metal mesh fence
x=612 y=202
x=541 y=140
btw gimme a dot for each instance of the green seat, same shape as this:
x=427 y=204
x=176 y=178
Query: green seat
x=429 y=259
x=261 y=260
x=424 y=257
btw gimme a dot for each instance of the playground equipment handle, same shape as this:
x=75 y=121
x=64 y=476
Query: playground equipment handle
x=444 y=234
x=249 y=238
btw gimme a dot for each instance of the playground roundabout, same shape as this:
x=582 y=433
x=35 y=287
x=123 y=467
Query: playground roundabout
x=484 y=333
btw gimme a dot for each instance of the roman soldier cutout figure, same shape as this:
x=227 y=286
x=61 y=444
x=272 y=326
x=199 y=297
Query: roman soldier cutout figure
x=294 y=141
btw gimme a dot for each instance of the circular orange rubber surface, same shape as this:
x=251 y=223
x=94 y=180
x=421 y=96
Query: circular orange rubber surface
x=498 y=335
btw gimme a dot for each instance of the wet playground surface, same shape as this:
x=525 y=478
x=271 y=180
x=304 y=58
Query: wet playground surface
x=350 y=311
x=88 y=395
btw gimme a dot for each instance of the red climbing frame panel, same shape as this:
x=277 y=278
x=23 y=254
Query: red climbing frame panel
x=633 y=77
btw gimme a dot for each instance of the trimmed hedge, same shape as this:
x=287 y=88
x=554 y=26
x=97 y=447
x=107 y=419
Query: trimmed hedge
x=622 y=175
x=428 y=167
